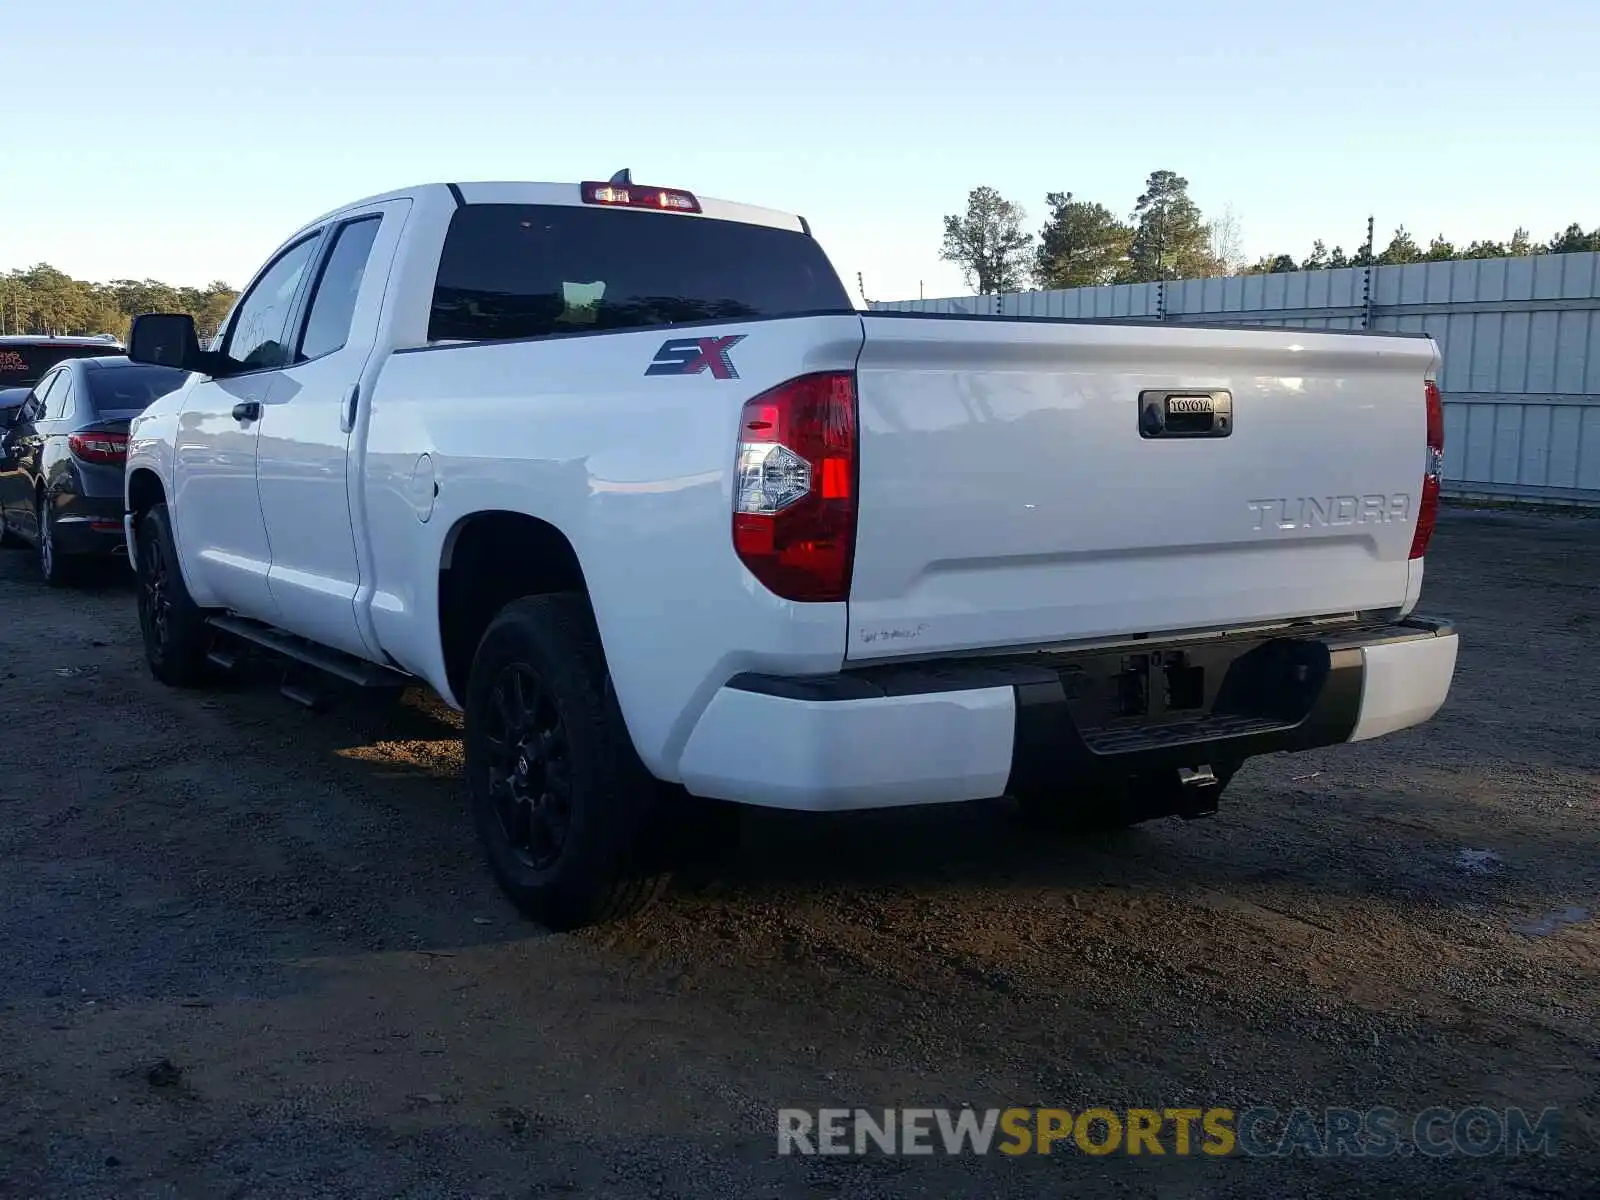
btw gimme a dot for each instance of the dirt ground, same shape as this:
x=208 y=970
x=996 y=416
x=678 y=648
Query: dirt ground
x=249 y=952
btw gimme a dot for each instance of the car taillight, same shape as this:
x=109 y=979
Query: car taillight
x=1432 y=473
x=99 y=447
x=794 y=509
x=634 y=195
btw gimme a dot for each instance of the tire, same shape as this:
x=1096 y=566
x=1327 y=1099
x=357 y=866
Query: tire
x=55 y=569
x=176 y=637
x=1106 y=806
x=561 y=802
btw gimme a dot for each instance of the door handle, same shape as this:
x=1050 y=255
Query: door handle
x=350 y=409
x=247 y=410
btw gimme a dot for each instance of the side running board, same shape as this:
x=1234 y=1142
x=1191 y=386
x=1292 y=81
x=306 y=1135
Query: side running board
x=332 y=662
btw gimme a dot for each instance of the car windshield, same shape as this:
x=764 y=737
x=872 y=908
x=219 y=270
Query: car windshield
x=23 y=364
x=128 y=391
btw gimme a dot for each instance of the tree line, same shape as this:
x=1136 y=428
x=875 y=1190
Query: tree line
x=1084 y=244
x=41 y=299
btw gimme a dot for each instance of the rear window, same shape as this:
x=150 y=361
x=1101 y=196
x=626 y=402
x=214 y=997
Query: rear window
x=526 y=270
x=23 y=364
x=124 y=391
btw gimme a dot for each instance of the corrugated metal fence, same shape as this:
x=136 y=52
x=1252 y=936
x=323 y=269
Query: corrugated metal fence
x=1520 y=339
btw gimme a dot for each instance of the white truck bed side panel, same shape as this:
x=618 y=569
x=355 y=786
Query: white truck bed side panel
x=635 y=471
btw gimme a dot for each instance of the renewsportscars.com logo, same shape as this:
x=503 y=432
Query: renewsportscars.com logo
x=1217 y=1132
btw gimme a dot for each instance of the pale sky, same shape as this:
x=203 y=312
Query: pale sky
x=182 y=141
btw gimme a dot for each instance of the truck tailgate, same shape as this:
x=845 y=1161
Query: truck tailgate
x=1014 y=490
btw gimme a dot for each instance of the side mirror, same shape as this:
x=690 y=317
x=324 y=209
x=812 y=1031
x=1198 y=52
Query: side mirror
x=168 y=340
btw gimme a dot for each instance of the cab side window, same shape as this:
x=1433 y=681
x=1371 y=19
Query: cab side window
x=259 y=338
x=333 y=303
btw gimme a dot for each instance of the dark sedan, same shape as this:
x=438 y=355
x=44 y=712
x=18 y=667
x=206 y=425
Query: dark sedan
x=62 y=456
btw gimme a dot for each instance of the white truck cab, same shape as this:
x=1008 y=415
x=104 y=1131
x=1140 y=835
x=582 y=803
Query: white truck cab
x=620 y=472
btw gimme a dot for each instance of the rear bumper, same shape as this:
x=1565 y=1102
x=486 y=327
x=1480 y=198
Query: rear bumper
x=972 y=729
x=87 y=525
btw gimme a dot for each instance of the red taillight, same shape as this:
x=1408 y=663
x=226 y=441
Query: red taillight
x=794 y=508
x=634 y=195
x=99 y=447
x=1432 y=473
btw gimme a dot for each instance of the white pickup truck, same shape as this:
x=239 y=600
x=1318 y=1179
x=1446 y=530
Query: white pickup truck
x=623 y=475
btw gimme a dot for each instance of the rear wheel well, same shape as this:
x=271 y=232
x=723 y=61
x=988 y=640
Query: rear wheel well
x=144 y=492
x=489 y=560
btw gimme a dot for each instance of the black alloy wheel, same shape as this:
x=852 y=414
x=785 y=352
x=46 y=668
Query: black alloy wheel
x=155 y=600
x=530 y=766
